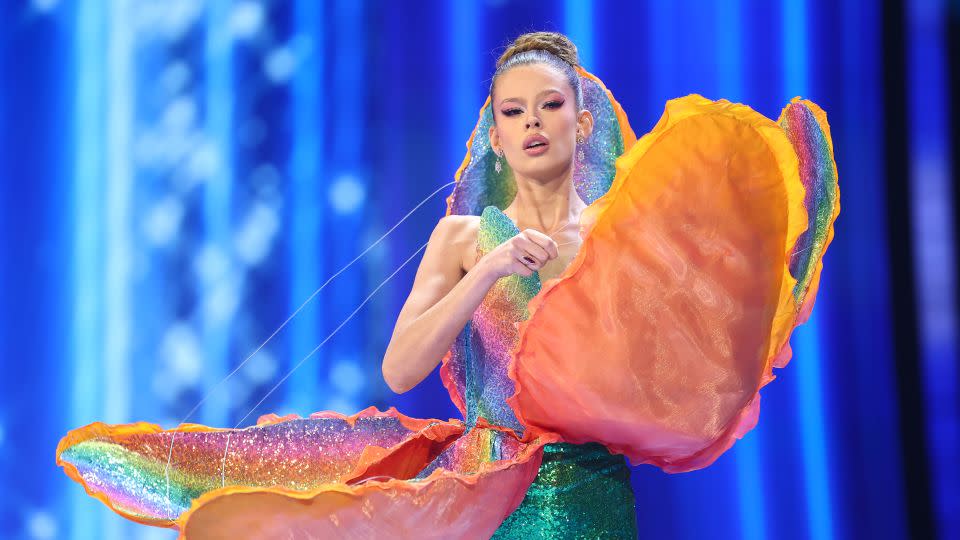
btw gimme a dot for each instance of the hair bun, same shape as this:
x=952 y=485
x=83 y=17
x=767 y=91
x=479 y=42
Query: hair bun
x=553 y=42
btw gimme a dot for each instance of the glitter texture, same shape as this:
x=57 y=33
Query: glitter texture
x=805 y=124
x=128 y=464
x=376 y=473
x=581 y=492
x=551 y=465
x=476 y=366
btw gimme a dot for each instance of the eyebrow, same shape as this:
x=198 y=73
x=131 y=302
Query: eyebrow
x=548 y=91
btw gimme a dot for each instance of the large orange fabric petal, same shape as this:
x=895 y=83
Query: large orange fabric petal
x=326 y=476
x=656 y=338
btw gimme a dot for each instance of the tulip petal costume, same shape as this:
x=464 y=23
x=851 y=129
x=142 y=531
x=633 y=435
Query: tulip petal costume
x=702 y=248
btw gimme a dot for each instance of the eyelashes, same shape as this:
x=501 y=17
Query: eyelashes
x=549 y=105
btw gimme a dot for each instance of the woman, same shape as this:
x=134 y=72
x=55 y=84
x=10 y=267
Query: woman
x=644 y=333
x=539 y=120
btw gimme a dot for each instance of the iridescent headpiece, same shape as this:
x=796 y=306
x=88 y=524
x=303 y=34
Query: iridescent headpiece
x=479 y=185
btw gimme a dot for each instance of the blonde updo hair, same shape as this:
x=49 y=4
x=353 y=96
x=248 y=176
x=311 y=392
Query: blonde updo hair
x=550 y=48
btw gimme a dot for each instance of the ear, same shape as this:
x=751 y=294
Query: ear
x=494 y=139
x=585 y=123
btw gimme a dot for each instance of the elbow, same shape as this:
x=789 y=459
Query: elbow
x=396 y=386
x=396 y=383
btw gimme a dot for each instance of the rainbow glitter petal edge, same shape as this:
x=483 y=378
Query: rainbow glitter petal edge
x=126 y=466
x=805 y=124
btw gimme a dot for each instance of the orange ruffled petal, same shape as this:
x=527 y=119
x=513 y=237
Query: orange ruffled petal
x=357 y=489
x=656 y=338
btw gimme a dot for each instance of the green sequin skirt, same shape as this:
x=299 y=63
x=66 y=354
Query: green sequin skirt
x=581 y=491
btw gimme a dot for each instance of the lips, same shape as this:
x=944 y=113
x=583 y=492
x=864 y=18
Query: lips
x=534 y=139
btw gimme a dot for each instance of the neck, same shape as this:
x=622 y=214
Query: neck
x=545 y=205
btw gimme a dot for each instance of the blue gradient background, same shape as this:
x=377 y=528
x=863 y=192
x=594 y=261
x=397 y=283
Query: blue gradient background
x=179 y=177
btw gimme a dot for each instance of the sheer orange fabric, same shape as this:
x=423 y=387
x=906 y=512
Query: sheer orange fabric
x=657 y=337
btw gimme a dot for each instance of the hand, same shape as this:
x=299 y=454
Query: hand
x=523 y=254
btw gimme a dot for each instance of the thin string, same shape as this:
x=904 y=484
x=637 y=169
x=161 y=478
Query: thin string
x=337 y=329
x=207 y=395
x=223 y=462
x=301 y=362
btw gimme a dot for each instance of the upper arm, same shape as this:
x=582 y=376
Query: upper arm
x=441 y=268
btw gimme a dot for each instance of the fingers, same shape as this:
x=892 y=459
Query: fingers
x=539 y=244
x=524 y=270
x=529 y=254
x=548 y=244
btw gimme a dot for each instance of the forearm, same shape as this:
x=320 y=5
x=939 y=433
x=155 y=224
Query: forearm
x=419 y=346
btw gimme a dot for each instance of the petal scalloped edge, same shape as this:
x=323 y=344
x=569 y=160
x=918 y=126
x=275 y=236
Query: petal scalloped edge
x=750 y=416
x=360 y=497
x=405 y=459
x=820 y=116
x=438 y=432
x=97 y=429
x=675 y=111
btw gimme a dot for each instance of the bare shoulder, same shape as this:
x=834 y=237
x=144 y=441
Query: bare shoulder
x=459 y=232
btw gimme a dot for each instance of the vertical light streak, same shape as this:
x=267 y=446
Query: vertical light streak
x=465 y=74
x=87 y=326
x=871 y=499
x=307 y=262
x=751 y=503
x=806 y=339
x=218 y=101
x=730 y=49
x=116 y=278
x=578 y=25
x=117 y=227
x=934 y=259
x=348 y=192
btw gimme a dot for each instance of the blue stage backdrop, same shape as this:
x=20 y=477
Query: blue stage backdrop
x=181 y=176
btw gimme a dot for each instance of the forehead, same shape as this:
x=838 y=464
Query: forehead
x=526 y=81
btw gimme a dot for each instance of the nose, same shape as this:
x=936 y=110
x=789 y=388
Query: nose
x=533 y=121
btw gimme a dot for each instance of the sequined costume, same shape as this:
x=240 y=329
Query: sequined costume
x=702 y=247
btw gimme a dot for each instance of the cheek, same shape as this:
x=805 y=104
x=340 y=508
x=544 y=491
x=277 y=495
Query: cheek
x=566 y=130
x=511 y=138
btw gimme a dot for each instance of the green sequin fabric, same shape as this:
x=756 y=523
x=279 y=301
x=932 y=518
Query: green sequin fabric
x=581 y=491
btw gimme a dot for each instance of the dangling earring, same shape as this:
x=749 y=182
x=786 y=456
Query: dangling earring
x=580 y=155
x=497 y=167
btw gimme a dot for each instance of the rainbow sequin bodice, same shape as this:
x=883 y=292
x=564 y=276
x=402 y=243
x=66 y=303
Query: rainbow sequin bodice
x=475 y=370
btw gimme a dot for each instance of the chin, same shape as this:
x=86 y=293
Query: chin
x=544 y=167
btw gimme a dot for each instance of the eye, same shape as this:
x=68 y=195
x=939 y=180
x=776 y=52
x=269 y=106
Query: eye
x=511 y=112
x=553 y=104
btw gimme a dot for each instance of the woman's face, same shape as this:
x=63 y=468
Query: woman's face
x=535 y=104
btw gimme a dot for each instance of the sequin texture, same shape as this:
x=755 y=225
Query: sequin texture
x=299 y=454
x=480 y=355
x=382 y=475
x=818 y=172
x=581 y=491
x=385 y=461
